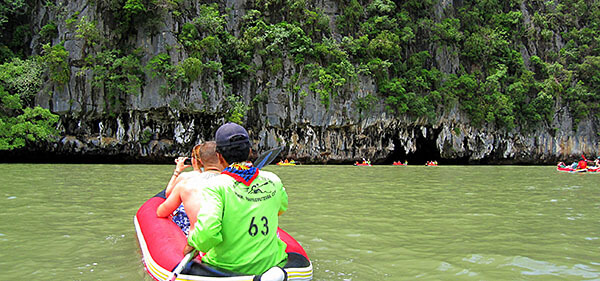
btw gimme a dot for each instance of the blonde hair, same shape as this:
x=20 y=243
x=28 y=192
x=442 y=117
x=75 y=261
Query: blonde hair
x=196 y=151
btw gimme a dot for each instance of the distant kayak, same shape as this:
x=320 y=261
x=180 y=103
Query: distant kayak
x=362 y=164
x=399 y=164
x=571 y=170
x=286 y=164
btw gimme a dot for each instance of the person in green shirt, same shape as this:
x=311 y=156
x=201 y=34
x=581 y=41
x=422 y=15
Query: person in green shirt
x=238 y=217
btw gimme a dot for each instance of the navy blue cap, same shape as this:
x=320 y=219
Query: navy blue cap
x=231 y=134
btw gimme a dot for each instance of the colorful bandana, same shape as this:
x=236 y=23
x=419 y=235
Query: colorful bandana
x=241 y=173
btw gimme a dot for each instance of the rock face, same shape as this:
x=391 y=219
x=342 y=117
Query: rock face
x=151 y=129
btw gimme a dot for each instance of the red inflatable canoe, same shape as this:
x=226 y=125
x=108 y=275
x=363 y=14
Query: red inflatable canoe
x=571 y=170
x=162 y=243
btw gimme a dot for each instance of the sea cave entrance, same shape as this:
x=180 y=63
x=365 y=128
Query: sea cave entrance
x=426 y=150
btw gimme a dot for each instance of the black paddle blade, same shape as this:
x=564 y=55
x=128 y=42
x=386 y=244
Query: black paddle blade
x=267 y=157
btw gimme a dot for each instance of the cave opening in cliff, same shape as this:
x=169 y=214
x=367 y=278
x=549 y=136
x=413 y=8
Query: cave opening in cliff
x=426 y=150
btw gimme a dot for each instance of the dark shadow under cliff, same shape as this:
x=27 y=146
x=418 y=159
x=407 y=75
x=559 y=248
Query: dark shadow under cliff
x=26 y=156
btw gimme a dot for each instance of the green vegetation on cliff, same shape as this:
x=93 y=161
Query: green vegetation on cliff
x=506 y=63
x=20 y=121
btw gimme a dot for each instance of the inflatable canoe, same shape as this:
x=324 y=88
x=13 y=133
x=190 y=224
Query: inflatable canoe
x=162 y=243
x=571 y=170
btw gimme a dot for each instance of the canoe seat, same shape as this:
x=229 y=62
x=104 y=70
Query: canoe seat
x=295 y=260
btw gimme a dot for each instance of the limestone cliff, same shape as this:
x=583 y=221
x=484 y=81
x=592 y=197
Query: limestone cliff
x=156 y=125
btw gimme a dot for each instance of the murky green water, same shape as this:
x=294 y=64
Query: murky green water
x=75 y=222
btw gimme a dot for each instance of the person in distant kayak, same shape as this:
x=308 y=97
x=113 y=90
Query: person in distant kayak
x=582 y=164
x=594 y=162
x=238 y=218
x=183 y=203
x=180 y=166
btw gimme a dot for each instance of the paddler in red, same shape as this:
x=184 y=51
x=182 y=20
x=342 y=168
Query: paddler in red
x=582 y=165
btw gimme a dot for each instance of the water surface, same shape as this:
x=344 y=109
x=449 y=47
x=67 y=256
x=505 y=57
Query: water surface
x=75 y=222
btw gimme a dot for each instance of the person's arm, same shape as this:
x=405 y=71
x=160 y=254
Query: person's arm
x=171 y=204
x=179 y=167
x=187 y=249
x=191 y=200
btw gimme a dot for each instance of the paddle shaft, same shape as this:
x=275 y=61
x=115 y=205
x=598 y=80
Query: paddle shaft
x=267 y=157
x=187 y=258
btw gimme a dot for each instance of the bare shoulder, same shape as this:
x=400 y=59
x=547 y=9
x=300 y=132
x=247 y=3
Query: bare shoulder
x=188 y=175
x=182 y=177
x=197 y=182
x=191 y=177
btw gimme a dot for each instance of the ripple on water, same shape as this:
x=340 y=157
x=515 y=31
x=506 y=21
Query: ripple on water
x=482 y=214
x=479 y=259
x=447 y=267
x=113 y=239
x=344 y=276
x=11 y=197
x=573 y=217
x=572 y=187
x=88 y=267
x=467 y=272
x=537 y=268
x=444 y=266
